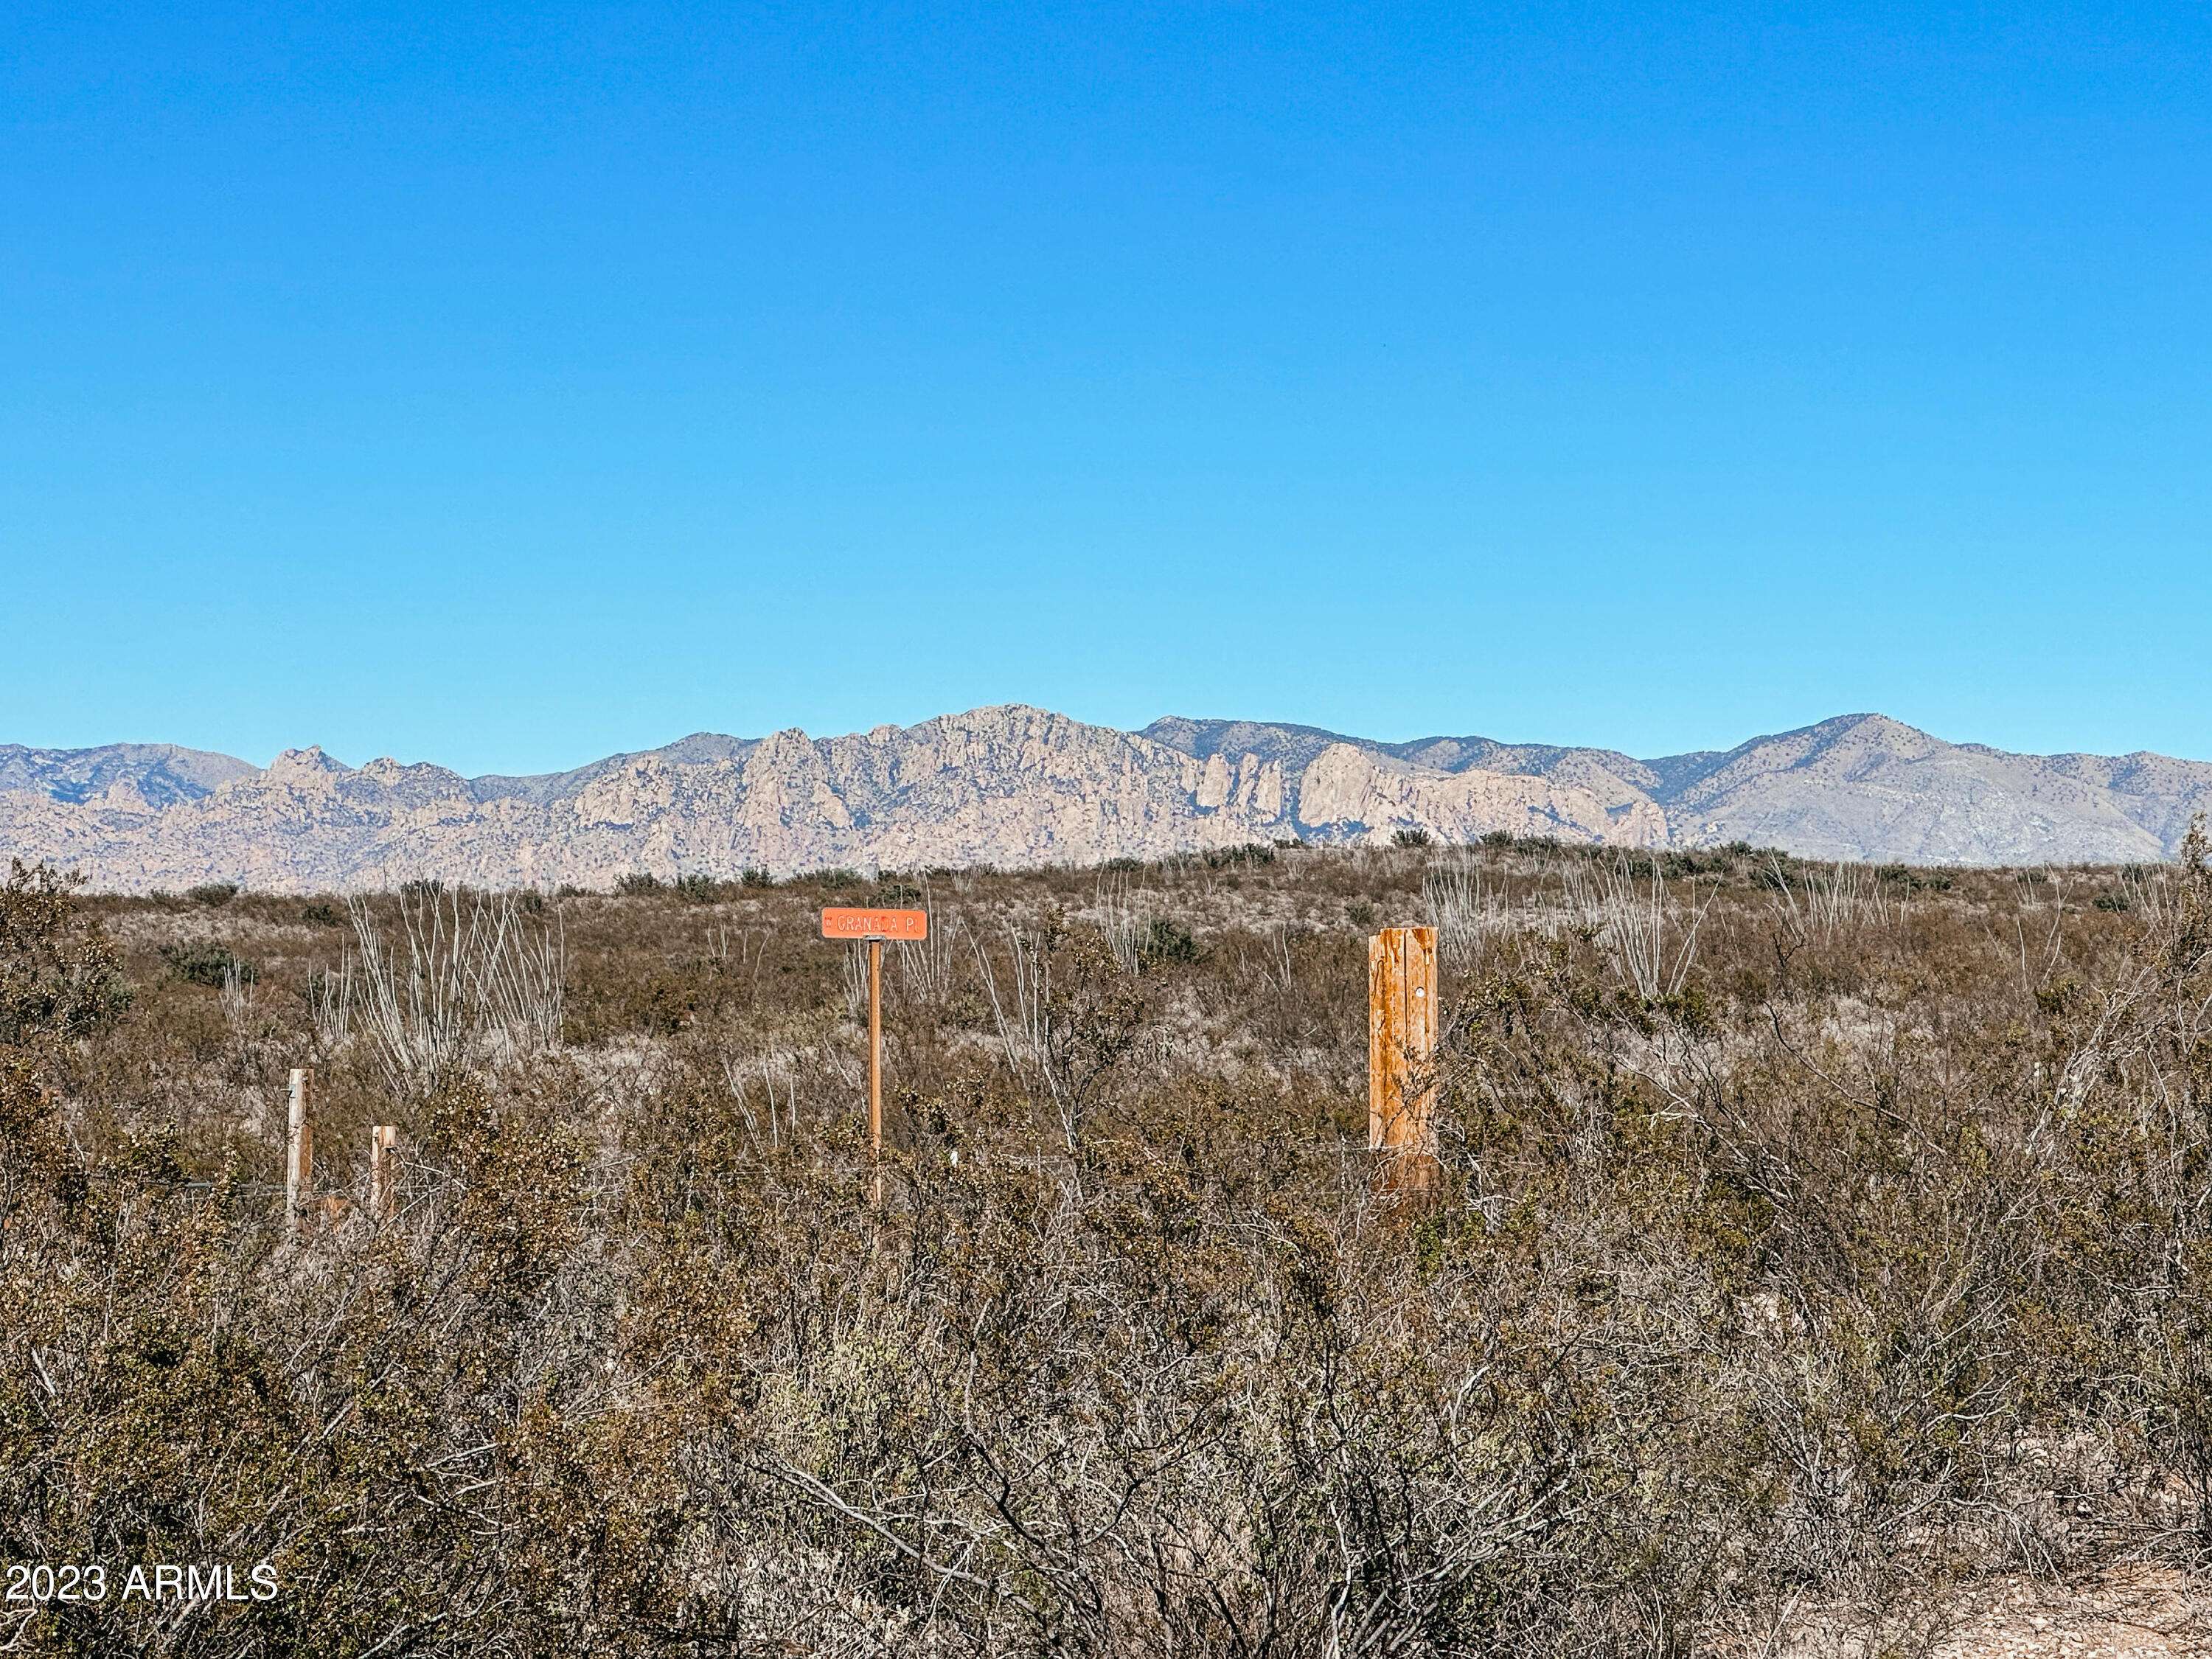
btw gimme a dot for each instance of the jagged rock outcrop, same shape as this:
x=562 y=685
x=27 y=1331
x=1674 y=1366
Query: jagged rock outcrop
x=1017 y=786
x=1858 y=786
x=1348 y=792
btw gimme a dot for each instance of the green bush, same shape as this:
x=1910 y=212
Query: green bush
x=60 y=981
x=1224 y=857
x=1170 y=941
x=206 y=962
x=1915 y=880
x=213 y=894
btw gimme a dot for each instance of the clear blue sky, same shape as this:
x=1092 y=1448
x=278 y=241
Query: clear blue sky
x=503 y=385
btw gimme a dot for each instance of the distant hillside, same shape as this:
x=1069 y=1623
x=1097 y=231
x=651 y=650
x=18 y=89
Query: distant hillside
x=159 y=773
x=1014 y=786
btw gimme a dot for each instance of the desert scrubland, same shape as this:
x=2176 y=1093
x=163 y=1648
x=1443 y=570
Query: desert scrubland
x=1816 y=1247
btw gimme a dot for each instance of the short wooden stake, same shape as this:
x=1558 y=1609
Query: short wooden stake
x=300 y=1152
x=383 y=1172
x=1402 y=1050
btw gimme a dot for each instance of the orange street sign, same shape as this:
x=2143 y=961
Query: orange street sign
x=840 y=923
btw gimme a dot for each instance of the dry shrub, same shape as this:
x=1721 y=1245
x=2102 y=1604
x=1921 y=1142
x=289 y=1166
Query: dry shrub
x=1808 y=1241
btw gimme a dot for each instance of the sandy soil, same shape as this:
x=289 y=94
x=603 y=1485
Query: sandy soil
x=2126 y=1612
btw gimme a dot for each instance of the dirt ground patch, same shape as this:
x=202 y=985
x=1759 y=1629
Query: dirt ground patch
x=2127 y=1612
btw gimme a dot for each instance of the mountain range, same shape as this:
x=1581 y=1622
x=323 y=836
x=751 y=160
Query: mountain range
x=1013 y=785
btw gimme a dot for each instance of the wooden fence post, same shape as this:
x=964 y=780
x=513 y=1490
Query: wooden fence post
x=383 y=1172
x=1401 y=1049
x=300 y=1152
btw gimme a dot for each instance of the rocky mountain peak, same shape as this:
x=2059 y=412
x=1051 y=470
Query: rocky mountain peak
x=1013 y=784
x=311 y=762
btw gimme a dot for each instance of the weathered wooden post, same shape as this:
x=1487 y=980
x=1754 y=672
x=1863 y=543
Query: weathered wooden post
x=300 y=1153
x=1401 y=1048
x=383 y=1172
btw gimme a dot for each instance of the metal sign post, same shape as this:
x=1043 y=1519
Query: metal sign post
x=875 y=1049
x=874 y=926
